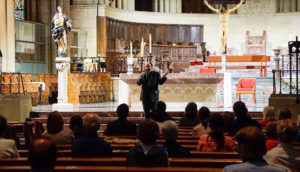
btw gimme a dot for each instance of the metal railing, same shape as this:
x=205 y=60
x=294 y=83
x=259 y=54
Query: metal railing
x=292 y=70
x=20 y=81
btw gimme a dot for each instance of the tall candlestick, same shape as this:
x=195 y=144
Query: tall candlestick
x=150 y=43
x=142 y=47
x=130 y=49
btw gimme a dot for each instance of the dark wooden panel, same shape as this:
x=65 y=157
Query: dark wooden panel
x=143 y=5
x=152 y=31
x=184 y=34
x=196 y=34
x=194 y=6
x=172 y=34
x=162 y=34
x=144 y=32
x=136 y=32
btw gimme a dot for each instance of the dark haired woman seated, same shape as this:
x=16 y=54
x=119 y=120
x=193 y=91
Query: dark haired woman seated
x=215 y=140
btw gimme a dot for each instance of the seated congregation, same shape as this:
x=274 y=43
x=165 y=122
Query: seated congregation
x=200 y=139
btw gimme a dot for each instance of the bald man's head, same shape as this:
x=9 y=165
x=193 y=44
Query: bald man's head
x=91 y=123
x=42 y=155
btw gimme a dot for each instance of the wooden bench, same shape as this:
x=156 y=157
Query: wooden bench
x=213 y=60
x=121 y=161
x=113 y=169
x=123 y=153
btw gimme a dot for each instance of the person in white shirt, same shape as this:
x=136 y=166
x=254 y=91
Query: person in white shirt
x=8 y=148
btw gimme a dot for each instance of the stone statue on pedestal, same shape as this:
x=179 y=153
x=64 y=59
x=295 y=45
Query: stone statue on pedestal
x=61 y=27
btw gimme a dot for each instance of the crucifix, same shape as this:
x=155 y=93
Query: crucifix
x=223 y=17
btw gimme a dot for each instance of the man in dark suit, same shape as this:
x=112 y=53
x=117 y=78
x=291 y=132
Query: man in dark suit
x=121 y=126
x=149 y=92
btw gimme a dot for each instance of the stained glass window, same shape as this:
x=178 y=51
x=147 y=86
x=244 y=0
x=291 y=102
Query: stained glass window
x=19 y=9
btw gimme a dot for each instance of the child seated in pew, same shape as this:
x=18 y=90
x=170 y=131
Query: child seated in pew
x=174 y=149
x=215 y=140
x=8 y=148
x=147 y=153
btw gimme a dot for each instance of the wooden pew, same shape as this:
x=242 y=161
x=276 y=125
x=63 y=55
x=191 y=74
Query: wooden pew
x=121 y=161
x=212 y=62
x=113 y=169
x=123 y=153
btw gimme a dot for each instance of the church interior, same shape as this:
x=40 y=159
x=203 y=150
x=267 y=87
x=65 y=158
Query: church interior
x=84 y=58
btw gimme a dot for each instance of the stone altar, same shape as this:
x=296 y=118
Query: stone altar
x=201 y=88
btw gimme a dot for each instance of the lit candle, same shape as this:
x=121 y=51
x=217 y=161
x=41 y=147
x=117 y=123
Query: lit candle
x=130 y=49
x=150 y=44
x=290 y=36
x=142 y=47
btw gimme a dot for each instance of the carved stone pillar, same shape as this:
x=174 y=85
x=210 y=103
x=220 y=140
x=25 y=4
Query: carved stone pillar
x=155 y=5
x=167 y=6
x=120 y=4
x=131 y=5
x=173 y=6
x=125 y=4
x=7 y=36
x=161 y=6
x=62 y=66
x=179 y=6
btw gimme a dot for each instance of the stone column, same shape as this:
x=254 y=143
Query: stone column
x=173 y=6
x=62 y=66
x=161 y=6
x=286 y=6
x=66 y=8
x=155 y=5
x=125 y=4
x=131 y=5
x=167 y=6
x=7 y=35
x=293 y=6
x=120 y=4
x=106 y=2
x=114 y=4
x=52 y=47
x=179 y=6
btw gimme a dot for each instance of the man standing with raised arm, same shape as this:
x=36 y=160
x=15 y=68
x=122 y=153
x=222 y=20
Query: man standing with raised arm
x=149 y=92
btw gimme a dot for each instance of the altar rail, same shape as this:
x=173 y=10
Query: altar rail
x=19 y=83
